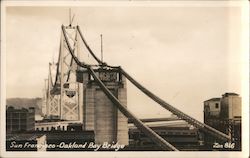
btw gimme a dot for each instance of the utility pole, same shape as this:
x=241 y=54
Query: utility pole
x=101 y=49
x=71 y=18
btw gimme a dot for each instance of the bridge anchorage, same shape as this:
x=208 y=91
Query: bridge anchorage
x=95 y=95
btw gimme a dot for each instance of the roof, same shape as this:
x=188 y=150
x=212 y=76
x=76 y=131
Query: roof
x=13 y=109
x=173 y=124
x=228 y=94
x=213 y=99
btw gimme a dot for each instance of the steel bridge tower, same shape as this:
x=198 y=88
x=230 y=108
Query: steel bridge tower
x=70 y=89
x=64 y=94
x=53 y=100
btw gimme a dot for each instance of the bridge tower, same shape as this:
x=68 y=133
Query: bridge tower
x=99 y=112
x=53 y=100
x=70 y=89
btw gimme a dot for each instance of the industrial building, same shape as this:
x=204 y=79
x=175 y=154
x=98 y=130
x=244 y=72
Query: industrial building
x=230 y=106
x=18 y=120
x=178 y=133
x=224 y=114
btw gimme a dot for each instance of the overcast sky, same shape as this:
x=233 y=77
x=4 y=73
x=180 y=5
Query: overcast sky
x=185 y=55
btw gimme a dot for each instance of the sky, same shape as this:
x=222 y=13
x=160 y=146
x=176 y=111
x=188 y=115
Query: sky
x=184 y=55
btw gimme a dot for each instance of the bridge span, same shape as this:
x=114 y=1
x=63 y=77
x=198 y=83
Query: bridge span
x=95 y=95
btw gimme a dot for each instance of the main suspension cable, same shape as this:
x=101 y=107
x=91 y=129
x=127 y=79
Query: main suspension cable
x=175 y=111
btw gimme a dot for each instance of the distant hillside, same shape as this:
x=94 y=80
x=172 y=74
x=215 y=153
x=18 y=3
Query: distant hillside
x=25 y=103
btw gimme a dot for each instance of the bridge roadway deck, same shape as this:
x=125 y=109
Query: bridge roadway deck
x=47 y=126
x=62 y=125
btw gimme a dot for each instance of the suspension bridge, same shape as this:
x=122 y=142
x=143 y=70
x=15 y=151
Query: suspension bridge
x=95 y=95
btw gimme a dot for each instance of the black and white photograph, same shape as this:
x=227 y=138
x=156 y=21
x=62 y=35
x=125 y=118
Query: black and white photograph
x=124 y=79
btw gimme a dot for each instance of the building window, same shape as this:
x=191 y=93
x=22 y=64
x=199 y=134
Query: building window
x=216 y=105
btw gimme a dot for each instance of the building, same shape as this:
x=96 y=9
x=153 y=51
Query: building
x=18 y=120
x=178 y=133
x=230 y=106
x=224 y=114
x=212 y=108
